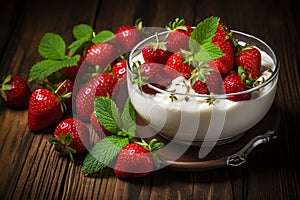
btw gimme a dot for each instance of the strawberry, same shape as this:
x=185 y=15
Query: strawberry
x=233 y=83
x=155 y=55
x=179 y=36
x=45 y=108
x=98 y=127
x=15 y=91
x=119 y=69
x=101 y=54
x=127 y=36
x=70 y=137
x=250 y=58
x=64 y=88
x=152 y=73
x=175 y=61
x=222 y=39
x=156 y=52
x=136 y=160
x=211 y=84
x=86 y=95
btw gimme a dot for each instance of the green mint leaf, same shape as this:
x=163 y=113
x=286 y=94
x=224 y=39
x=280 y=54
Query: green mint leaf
x=52 y=46
x=82 y=31
x=78 y=44
x=207 y=52
x=107 y=114
x=45 y=68
x=103 y=153
x=128 y=119
x=205 y=30
x=103 y=36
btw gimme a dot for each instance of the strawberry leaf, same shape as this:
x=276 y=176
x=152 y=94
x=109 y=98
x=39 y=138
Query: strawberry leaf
x=103 y=36
x=107 y=114
x=205 y=30
x=103 y=153
x=47 y=67
x=82 y=31
x=128 y=119
x=52 y=46
x=209 y=51
x=78 y=44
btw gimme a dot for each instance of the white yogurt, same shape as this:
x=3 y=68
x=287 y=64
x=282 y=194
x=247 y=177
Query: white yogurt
x=193 y=119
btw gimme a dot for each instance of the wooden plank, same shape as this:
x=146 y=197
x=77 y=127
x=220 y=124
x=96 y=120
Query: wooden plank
x=32 y=168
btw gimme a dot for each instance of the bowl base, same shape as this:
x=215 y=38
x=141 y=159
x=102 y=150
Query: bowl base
x=208 y=142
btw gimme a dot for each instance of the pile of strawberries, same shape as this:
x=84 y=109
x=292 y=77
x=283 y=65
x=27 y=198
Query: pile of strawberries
x=236 y=70
x=101 y=60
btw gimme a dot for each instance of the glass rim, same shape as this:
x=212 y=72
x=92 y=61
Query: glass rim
x=271 y=53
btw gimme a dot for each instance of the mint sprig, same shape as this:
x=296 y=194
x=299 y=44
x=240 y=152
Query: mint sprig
x=122 y=126
x=205 y=30
x=52 y=48
x=201 y=40
x=103 y=153
x=86 y=36
x=108 y=115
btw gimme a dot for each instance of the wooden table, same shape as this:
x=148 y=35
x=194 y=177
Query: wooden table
x=31 y=169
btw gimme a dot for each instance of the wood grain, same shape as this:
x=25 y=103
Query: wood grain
x=31 y=169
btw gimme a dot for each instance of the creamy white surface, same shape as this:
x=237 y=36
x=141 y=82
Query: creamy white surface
x=195 y=119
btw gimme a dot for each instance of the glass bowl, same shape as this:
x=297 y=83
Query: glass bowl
x=190 y=119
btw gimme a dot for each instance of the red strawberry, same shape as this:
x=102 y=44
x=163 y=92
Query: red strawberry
x=119 y=69
x=222 y=39
x=101 y=54
x=45 y=108
x=65 y=88
x=136 y=160
x=175 y=62
x=250 y=58
x=233 y=83
x=179 y=37
x=156 y=52
x=107 y=85
x=155 y=55
x=15 y=91
x=127 y=37
x=154 y=74
x=70 y=137
x=98 y=127
x=211 y=84
x=86 y=95
x=133 y=161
